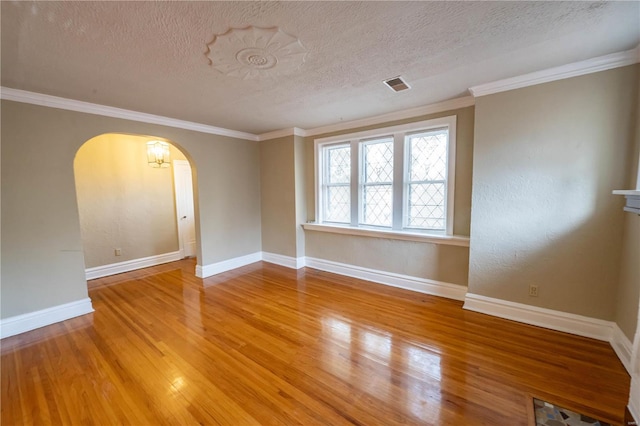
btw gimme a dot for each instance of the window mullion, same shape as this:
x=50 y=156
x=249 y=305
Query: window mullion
x=355 y=182
x=325 y=183
x=398 y=181
x=451 y=175
x=425 y=181
x=325 y=189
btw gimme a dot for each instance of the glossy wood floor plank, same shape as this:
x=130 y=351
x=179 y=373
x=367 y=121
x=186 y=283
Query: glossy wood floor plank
x=269 y=345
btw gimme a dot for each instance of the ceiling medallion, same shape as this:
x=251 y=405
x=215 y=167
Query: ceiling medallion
x=256 y=53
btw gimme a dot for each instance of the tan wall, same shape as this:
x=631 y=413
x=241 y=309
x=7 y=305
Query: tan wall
x=282 y=162
x=42 y=261
x=300 y=190
x=277 y=176
x=629 y=287
x=123 y=202
x=546 y=159
x=423 y=260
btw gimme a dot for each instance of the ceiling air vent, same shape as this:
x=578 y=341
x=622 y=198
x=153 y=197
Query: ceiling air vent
x=397 y=84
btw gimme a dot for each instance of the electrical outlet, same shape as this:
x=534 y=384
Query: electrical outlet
x=118 y=252
x=533 y=290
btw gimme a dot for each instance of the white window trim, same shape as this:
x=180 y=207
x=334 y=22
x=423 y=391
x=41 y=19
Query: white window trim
x=397 y=132
x=449 y=240
x=632 y=195
x=324 y=172
x=638 y=179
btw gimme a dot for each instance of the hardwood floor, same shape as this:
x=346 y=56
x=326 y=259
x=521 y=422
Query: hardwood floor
x=268 y=345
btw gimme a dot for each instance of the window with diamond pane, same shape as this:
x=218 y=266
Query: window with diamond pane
x=337 y=184
x=396 y=178
x=377 y=182
x=339 y=164
x=427 y=180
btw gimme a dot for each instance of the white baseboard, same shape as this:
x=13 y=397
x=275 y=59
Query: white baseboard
x=26 y=322
x=621 y=345
x=421 y=285
x=131 y=265
x=286 y=261
x=204 y=271
x=547 y=318
x=634 y=399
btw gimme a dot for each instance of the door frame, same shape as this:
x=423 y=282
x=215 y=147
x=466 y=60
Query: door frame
x=181 y=165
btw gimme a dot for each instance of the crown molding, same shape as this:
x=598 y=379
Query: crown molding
x=292 y=131
x=448 y=105
x=41 y=99
x=371 y=121
x=601 y=63
x=34 y=98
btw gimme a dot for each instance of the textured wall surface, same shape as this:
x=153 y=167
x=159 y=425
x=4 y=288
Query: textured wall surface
x=628 y=303
x=42 y=261
x=282 y=169
x=546 y=159
x=152 y=56
x=300 y=156
x=423 y=260
x=278 y=196
x=123 y=202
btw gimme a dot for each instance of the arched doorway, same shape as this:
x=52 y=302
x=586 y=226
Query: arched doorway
x=130 y=205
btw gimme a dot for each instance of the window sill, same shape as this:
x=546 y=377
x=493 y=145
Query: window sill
x=633 y=200
x=451 y=240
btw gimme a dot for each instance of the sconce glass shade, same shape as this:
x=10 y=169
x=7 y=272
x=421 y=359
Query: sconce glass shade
x=158 y=154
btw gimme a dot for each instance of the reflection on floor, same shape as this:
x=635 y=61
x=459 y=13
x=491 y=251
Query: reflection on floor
x=548 y=414
x=267 y=345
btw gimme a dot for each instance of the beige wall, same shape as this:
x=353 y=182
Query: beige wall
x=42 y=261
x=422 y=260
x=437 y=262
x=282 y=178
x=277 y=176
x=300 y=191
x=546 y=159
x=123 y=202
x=629 y=287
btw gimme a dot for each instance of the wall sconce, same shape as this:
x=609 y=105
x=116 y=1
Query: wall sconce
x=158 y=154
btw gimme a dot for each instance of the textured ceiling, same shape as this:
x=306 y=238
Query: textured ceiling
x=152 y=56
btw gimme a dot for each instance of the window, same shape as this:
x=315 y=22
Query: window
x=398 y=178
x=426 y=180
x=376 y=183
x=336 y=191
